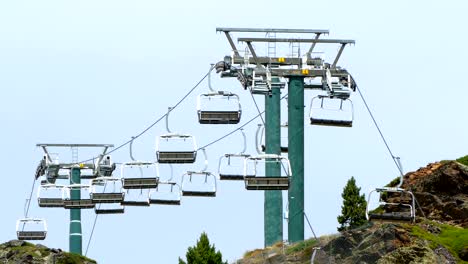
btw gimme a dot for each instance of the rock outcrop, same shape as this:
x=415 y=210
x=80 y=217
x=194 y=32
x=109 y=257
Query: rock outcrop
x=441 y=190
x=17 y=251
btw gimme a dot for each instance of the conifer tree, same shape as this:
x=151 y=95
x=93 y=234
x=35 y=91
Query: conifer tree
x=203 y=253
x=353 y=210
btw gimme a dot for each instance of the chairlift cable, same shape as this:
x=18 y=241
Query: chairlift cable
x=26 y=212
x=239 y=128
x=230 y=133
x=158 y=120
x=94 y=225
x=380 y=131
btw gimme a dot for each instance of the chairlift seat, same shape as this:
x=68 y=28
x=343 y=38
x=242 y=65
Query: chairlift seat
x=50 y=202
x=231 y=177
x=135 y=203
x=199 y=193
x=109 y=211
x=162 y=201
x=88 y=176
x=140 y=183
x=267 y=183
x=31 y=235
x=219 y=117
x=115 y=197
x=78 y=204
x=392 y=216
x=166 y=197
x=331 y=122
x=176 y=156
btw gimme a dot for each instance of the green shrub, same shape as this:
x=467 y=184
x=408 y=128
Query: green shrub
x=300 y=246
x=452 y=238
x=463 y=160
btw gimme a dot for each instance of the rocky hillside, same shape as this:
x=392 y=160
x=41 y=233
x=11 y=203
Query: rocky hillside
x=16 y=251
x=442 y=237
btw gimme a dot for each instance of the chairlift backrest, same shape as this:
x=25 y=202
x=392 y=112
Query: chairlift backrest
x=255 y=161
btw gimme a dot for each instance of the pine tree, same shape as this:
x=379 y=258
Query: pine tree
x=353 y=210
x=203 y=253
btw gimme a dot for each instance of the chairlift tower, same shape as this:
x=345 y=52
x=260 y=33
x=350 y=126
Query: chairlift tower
x=261 y=74
x=75 y=235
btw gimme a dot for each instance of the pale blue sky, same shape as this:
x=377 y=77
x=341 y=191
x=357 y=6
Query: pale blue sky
x=101 y=71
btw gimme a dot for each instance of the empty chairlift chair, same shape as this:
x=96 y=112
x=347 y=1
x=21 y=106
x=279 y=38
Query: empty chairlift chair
x=331 y=111
x=78 y=202
x=218 y=107
x=192 y=185
x=137 y=197
x=335 y=108
x=395 y=205
x=199 y=183
x=256 y=178
x=167 y=193
x=174 y=147
x=139 y=175
x=31 y=229
x=106 y=190
x=51 y=195
x=231 y=166
x=260 y=138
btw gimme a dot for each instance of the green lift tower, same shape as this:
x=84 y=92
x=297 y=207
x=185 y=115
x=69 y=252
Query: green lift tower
x=248 y=69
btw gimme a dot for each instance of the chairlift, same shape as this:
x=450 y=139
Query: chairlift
x=255 y=164
x=405 y=210
x=31 y=229
x=133 y=175
x=51 y=195
x=209 y=189
x=230 y=166
x=106 y=190
x=325 y=112
x=175 y=147
x=400 y=209
x=208 y=105
x=136 y=197
x=204 y=188
x=80 y=203
x=167 y=193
